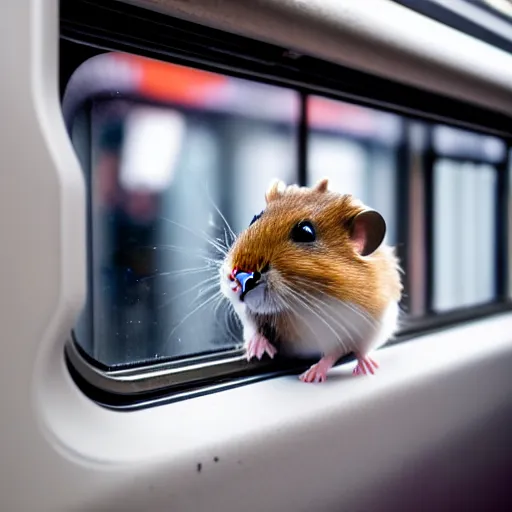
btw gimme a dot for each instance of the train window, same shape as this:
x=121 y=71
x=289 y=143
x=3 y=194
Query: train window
x=177 y=154
x=174 y=171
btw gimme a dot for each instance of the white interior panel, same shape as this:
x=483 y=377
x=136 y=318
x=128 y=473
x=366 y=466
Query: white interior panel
x=433 y=427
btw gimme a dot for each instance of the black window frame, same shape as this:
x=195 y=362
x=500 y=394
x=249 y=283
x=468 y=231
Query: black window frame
x=89 y=27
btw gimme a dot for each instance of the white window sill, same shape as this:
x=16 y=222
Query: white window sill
x=281 y=436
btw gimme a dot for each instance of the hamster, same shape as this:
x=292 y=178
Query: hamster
x=311 y=276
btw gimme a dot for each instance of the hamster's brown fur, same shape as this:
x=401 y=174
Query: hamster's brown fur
x=371 y=282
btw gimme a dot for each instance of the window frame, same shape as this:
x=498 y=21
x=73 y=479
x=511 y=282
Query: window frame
x=142 y=386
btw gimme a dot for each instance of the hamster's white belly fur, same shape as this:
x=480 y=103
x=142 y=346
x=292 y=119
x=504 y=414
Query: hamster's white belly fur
x=342 y=328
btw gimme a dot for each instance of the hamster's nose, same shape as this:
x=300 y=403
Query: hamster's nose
x=247 y=280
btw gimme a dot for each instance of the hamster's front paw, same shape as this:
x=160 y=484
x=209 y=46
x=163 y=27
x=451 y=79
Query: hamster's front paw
x=259 y=345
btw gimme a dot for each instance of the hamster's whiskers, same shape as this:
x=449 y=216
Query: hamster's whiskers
x=290 y=310
x=310 y=306
x=196 y=253
x=313 y=302
x=204 y=291
x=229 y=231
x=322 y=304
x=366 y=317
x=217 y=296
x=372 y=322
x=178 y=273
x=342 y=307
x=215 y=243
x=210 y=280
x=227 y=314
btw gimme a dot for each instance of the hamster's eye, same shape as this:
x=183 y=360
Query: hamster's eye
x=303 y=232
x=255 y=218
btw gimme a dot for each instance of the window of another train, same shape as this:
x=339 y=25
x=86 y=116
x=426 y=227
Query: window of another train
x=465 y=181
x=357 y=149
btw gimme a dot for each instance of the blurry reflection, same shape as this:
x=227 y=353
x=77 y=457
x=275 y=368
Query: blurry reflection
x=161 y=173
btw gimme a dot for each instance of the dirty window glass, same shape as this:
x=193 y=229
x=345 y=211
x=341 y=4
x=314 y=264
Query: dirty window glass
x=163 y=160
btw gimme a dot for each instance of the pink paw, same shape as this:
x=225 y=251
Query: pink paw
x=317 y=373
x=365 y=365
x=259 y=345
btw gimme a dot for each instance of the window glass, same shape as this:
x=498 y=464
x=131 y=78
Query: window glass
x=166 y=155
x=464 y=234
x=176 y=158
x=357 y=149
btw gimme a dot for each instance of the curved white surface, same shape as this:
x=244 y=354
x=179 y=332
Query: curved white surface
x=427 y=429
x=377 y=36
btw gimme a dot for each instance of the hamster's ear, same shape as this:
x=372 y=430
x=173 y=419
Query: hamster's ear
x=367 y=231
x=275 y=190
x=322 y=185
